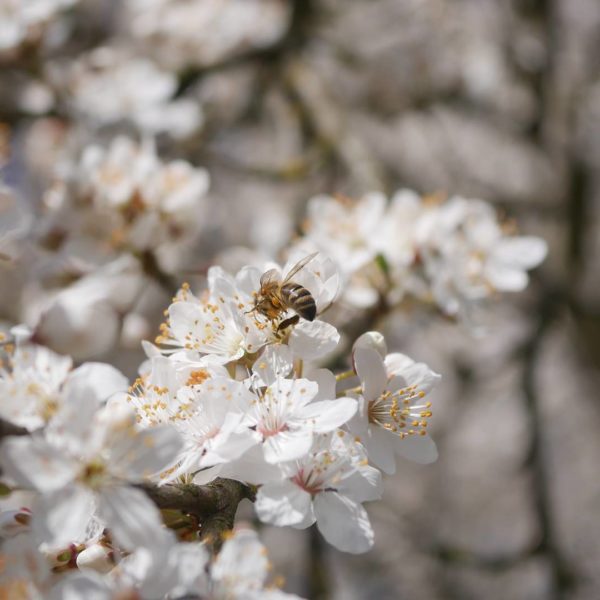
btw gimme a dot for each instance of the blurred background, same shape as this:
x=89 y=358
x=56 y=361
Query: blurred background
x=281 y=100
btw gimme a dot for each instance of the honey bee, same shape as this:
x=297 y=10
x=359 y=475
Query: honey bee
x=276 y=296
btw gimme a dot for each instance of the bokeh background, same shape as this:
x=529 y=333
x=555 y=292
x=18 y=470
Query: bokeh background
x=492 y=99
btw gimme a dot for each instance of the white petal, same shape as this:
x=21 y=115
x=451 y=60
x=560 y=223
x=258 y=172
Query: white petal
x=251 y=467
x=242 y=561
x=523 y=252
x=312 y=340
x=359 y=423
x=364 y=485
x=371 y=370
x=343 y=522
x=380 y=445
x=326 y=382
x=33 y=463
x=98 y=380
x=82 y=586
x=405 y=371
x=287 y=445
x=148 y=452
x=328 y=415
x=62 y=517
x=396 y=363
x=282 y=503
x=131 y=516
x=275 y=361
x=505 y=278
x=419 y=448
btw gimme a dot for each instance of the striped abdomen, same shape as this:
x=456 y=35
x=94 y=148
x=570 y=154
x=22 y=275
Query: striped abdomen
x=299 y=299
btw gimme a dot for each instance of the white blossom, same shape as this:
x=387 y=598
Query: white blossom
x=85 y=463
x=393 y=414
x=326 y=486
x=188 y=33
x=38 y=385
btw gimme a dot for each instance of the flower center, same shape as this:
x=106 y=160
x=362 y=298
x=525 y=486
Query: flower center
x=309 y=481
x=93 y=474
x=400 y=412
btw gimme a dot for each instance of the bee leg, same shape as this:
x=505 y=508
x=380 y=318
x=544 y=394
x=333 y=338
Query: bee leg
x=287 y=322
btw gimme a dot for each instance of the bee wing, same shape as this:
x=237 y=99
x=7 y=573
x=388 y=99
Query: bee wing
x=270 y=276
x=299 y=265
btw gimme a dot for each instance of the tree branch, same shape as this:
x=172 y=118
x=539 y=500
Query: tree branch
x=214 y=504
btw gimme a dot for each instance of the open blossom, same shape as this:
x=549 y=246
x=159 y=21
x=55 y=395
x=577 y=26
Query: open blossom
x=175 y=570
x=455 y=253
x=346 y=230
x=186 y=33
x=466 y=254
x=123 y=197
x=213 y=328
x=327 y=486
x=393 y=413
x=84 y=319
x=285 y=416
x=206 y=412
x=308 y=340
x=84 y=464
x=109 y=85
x=223 y=325
x=241 y=570
x=37 y=385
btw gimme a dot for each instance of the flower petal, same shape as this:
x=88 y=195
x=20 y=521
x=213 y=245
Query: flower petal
x=34 y=463
x=241 y=564
x=522 y=252
x=62 y=517
x=371 y=370
x=148 y=452
x=282 y=503
x=312 y=340
x=343 y=522
x=131 y=516
x=287 y=445
x=419 y=448
x=96 y=380
x=327 y=415
x=380 y=444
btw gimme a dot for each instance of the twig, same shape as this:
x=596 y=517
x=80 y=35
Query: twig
x=214 y=504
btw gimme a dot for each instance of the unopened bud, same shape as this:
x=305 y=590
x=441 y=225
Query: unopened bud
x=97 y=558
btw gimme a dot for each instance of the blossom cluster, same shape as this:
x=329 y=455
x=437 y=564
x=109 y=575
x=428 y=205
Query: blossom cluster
x=454 y=253
x=231 y=390
x=255 y=378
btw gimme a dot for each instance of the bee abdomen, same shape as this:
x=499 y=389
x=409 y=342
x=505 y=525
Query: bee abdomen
x=298 y=298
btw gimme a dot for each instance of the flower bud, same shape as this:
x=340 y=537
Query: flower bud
x=97 y=557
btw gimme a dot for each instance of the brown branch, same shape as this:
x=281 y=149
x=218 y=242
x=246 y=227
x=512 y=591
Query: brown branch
x=7 y=429
x=214 y=504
